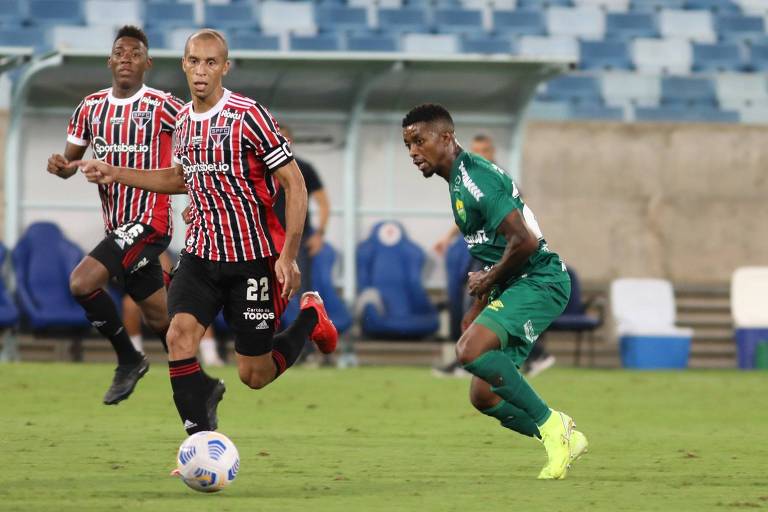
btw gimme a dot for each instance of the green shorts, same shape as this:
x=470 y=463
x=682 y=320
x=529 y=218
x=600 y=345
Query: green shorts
x=520 y=313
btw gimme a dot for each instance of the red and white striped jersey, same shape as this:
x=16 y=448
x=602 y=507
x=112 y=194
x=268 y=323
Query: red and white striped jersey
x=227 y=154
x=131 y=132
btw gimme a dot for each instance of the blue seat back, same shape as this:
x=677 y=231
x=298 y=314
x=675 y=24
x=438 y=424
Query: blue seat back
x=322 y=282
x=390 y=262
x=575 y=305
x=457 y=262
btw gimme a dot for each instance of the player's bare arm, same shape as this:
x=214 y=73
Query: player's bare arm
x=286 y=269
x=521 y=244
x=163 y=181
x=61 y=165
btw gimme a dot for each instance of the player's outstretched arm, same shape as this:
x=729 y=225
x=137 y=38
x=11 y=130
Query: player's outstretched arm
x=61 y=165
x=292 y=181
x=163 y=181
x=521 y=244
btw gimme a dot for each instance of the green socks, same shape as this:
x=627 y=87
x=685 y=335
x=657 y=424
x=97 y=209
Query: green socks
x=513 y=418
x=495 y=368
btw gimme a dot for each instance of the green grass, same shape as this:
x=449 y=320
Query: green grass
x=385 y=439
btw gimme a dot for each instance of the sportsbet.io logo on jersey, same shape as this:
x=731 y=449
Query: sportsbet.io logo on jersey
x=102 y=148
x=190 y=168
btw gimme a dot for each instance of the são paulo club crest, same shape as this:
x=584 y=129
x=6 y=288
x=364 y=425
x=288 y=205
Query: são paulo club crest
x=141 y=117
x=218 y=134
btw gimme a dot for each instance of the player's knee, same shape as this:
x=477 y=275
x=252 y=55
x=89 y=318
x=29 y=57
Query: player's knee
x=180 y=343
x=79 y=285
x=482 y=401
x=467 y=351
x=254 y=379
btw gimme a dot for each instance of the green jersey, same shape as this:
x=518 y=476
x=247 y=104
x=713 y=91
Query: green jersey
x=482 y=195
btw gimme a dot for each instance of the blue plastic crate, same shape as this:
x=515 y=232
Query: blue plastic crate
x=655 y=352
x=747 y=340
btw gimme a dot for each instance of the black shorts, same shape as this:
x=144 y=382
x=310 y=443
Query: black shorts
x=248 y=291
x=130 y=253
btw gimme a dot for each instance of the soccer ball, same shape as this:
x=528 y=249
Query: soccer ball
x=207 y=461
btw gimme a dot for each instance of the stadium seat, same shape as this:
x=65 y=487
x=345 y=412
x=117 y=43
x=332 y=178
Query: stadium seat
x=11 y=14
x=468 y=21
x=662 y=56
x=627 y=26
x=655 y=5
x=372 y=43
x=278 y=16
x=169 y=15
x=716 y=6
x=486 y=45
x=621 y=89
x=406 y=19
x=318 y=43
x=334 y=17
x=644 y=316
x=549 y=110
x=542 y=4
x=430 y=43
x=574 y=89
x=717 y=57
x=692 y=25
x=586 y=23
x=740 y=90
x=753 y=7
x=94 y=38
x=575 y=318
x=113 y=13
x=155 y=37
x=246 y=40
x=678 y=113
x=562 y=47
x=24 y=36
x=604 y=55
x=393 y=300
x=749 y=288
x=55 y=12
x=596 y=112
x=677 y=90
x=9 y=314
x=758 y=57
x=519 y=23
x=43 y=260
x=605 y=5
x=457 y=264
x=740 y=29
x=227 y=17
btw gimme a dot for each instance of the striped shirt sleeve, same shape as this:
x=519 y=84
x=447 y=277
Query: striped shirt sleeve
x=262 y=133
x=79 y=128
x=171 y=107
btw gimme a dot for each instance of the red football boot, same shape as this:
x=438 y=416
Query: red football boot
x=324 y=334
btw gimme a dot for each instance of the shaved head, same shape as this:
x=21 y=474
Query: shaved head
x=207 y=34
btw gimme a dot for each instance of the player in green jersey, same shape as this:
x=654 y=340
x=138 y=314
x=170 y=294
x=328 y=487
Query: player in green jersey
x=523 y=289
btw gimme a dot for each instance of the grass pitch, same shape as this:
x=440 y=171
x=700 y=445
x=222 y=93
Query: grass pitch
x=377 y=439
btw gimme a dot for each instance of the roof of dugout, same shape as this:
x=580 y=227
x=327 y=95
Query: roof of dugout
x=346 y=85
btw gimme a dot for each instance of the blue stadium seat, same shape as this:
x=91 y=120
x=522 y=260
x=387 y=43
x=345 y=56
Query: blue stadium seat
x=738 y=28
x=626 y=26
x=169 y=15
x=319 y=43
x=233 y=16
x=683 y=114
x=24 y=36
x=55 y=12
x=604 y=55
x=246 y=40
x=575 y=318
x=457 y=264
x=596 y=112
x=11 y=13
x=655 y=5
x=332 y=18
x=155 y=37
x=542 y=4
x=716 y=6
x=9 y=315
x=679 y=90
x=394 y=302
x=717 y=57
x=519 y=23
x=372 y=43
x=458 y=21
x=405 y=19
x=575 y=89
x=486 y=45
x=43 y=259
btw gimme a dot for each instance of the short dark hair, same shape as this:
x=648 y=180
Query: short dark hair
x=132 y=32
x=428 y=113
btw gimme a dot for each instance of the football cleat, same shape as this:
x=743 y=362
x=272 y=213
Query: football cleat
x=324 y=334
x=556 y=436
x=124 y=381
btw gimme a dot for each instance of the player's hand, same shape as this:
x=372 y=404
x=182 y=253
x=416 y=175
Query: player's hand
x=97 y=171
x=186 y=214
x=314 y=243
x=288 y=274
x=60 y=166
x=478 y=284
